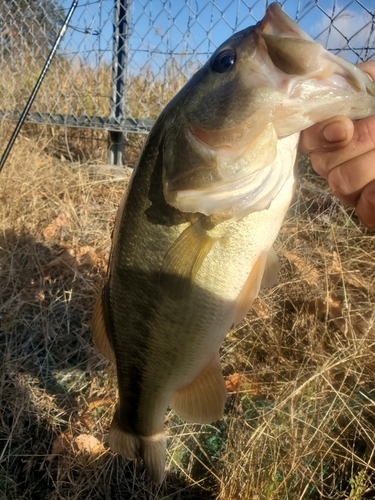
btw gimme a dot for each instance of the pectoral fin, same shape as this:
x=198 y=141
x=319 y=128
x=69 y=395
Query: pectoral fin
x=183 y=260
x=250 y=289
x=203 y=400
x=99 y=331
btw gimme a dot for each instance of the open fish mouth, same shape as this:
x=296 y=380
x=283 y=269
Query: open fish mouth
x=269 y=82
x=295 y=53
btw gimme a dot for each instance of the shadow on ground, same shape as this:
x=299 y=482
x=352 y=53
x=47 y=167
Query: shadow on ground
x=53 y=383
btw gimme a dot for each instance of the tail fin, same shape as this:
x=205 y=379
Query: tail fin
x=150 y=448
x=152 y=451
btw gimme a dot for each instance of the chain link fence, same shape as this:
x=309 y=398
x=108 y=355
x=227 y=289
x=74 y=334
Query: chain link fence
x=121 y=61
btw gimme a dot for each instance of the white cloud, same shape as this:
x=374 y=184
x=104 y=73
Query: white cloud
x=348 y=29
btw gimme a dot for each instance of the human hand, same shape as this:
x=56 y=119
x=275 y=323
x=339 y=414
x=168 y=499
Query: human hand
x=343 y=153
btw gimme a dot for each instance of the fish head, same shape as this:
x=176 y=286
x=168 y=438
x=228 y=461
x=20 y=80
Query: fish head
x=232 y=133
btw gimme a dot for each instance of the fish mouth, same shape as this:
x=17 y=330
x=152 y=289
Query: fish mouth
x=286 y=82
x=277 y=23
x=296 y=54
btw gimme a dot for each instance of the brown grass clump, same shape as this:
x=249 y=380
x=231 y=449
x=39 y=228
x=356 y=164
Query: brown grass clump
x=79 y=89
x=300 y=418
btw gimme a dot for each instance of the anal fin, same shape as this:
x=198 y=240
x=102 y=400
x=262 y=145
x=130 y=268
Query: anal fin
x=250 y=289
x=271 y=269
x=203 y=400
x=99 y=330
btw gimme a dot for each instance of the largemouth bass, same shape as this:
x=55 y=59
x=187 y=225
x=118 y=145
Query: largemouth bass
x=193 y=236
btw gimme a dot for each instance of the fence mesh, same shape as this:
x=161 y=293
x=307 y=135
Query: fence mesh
x=166 y=41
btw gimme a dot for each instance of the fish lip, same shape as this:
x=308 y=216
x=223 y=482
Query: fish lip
x=277 y=22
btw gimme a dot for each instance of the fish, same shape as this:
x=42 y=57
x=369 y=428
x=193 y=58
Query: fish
x=194 y=233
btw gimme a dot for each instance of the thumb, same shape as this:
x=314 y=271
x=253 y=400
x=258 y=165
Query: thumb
x=329 y=135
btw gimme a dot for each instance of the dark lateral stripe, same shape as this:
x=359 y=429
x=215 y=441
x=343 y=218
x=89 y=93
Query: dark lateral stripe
x=132 y=347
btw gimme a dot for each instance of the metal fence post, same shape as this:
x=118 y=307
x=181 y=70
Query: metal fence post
x=120 y=52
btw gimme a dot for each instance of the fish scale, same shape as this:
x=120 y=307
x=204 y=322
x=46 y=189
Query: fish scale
x=194 y=232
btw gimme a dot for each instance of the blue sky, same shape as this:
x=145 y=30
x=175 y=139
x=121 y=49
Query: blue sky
x=195 y=28
x=170 y=39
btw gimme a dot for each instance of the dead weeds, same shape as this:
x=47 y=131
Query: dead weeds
x=300 y=418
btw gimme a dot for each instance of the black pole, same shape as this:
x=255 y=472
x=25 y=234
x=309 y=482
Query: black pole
x=37 y=85
x=120 y=49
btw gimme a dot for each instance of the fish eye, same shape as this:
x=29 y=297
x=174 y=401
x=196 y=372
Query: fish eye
x=224 y=61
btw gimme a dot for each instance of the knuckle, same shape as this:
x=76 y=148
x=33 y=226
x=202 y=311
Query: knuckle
x=339 y=181
x=365 y=130
x=320 y=164
x=368 y=197
x=367 y=219
x=366 y=206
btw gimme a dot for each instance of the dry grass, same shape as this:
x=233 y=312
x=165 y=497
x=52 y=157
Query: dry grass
x=300 y=417
x=79 y=89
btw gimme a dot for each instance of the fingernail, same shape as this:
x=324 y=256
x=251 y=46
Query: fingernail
x=335 y=132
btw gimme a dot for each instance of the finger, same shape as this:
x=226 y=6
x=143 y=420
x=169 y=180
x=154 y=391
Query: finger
x=362 y=142
x=349 y=179
x=369 y=68
x=329 y=135
x=366 y=206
